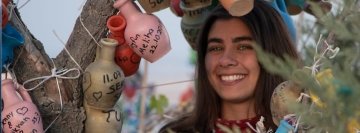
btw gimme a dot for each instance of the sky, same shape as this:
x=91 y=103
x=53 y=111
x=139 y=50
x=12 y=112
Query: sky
x=42 y=17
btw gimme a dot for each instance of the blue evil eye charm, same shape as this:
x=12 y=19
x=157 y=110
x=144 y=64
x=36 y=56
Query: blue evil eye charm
x=284 y=127
x=10 y=39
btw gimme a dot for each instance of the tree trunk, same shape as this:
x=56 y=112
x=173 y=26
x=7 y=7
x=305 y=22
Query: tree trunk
x=31 y=61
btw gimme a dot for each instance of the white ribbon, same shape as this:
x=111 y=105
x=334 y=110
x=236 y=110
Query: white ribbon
x=54 y=74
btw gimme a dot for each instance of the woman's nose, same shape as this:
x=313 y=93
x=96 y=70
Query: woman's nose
x=228 y=59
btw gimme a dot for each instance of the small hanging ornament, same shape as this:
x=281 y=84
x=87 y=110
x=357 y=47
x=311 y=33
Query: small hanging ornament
x=295 y=7
x=19 y=114
x=145 y=33
x=238 y=7
x=151 y=6
x=11 y=39
x=125 y=57
x=103 y=80
x=284 y=94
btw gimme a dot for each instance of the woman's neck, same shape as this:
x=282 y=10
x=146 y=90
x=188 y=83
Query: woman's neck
x=237 y=111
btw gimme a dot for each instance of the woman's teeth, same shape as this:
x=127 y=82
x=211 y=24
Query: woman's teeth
x=232 y=77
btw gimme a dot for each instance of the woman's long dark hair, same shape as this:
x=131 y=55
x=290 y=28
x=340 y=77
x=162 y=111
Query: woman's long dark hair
x=269 y=31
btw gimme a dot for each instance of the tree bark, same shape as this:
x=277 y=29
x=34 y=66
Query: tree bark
x=31 y=61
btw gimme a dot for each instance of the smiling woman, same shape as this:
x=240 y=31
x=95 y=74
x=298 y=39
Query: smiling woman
x=231 y=63
x=233 y=87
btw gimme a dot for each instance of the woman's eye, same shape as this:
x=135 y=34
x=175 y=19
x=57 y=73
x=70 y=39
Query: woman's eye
x=211 y=49
x=245 y=47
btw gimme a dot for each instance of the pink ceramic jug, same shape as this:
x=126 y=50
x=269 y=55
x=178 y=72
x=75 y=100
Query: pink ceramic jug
x=125 y=57
x=19 y=113
x=145 y=33
x=238 y=7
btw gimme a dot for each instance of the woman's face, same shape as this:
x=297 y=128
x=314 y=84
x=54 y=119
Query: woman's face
x=230 y=61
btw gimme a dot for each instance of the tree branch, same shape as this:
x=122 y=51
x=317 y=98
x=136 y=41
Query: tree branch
x=32 y=61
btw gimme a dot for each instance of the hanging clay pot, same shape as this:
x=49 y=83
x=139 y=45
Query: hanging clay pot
x=284 y=94
x=99 y=121
x=151 y=6
x=195 y=4
x=125 y=57
x=116 y=25
x=280 y=6
x=238 y=7
x=145 y=33
x=295 y=7
x=19 y=114
x=5 y=14
x=10 y=40
x=192 y=21
x=5 y=2
x=175 y=8
x=103 y=80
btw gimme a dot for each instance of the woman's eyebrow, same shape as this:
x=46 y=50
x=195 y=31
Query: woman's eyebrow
x=216 y=40
x=242 y=38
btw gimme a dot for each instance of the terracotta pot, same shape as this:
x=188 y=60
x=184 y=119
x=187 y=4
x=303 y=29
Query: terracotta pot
x=175 y=8
x=145 y=33
x=116 y=25
x=151 y=6
x=5 y=14
x=99 y=121
x=238 y=7
x=295 y=7
x=11 y=39
x=125 y=57
x=19 y=113
x=6 y=2
x=103 y=80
